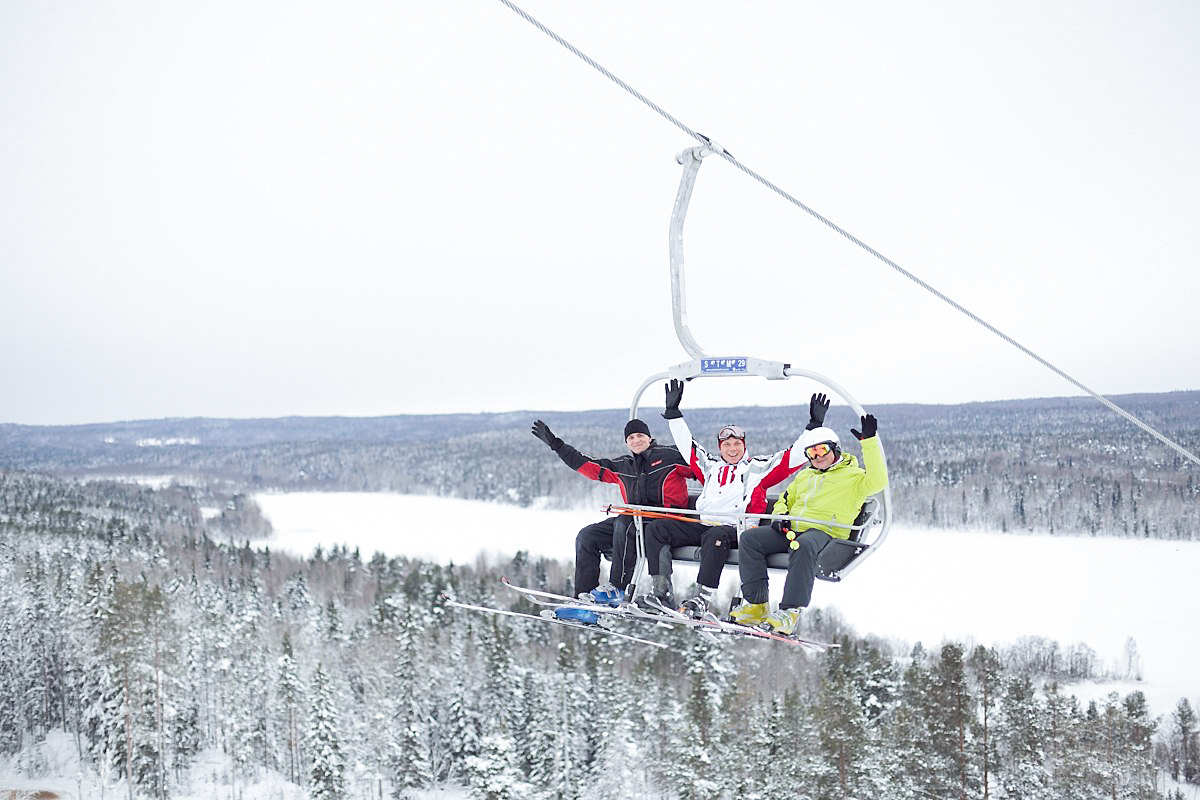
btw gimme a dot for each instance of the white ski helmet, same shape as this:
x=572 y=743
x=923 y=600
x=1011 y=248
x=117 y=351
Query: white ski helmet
x=821 y=435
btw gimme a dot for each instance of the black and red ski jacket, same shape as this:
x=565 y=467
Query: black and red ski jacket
x=657 y=476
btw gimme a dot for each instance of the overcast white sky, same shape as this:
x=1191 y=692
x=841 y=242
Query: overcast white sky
x=249 y=209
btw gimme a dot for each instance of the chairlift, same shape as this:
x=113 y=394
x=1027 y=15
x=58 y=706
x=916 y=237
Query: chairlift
x=840 y=556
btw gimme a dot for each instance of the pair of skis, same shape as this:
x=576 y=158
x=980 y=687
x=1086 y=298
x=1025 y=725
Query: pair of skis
x=551 y=601
x=548 y=616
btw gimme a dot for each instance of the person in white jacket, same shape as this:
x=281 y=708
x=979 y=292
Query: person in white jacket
x=734 y=482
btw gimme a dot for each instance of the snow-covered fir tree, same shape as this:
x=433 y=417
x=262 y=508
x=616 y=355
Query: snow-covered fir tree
x=323 y=742
x=290 y=700
x=408 y=759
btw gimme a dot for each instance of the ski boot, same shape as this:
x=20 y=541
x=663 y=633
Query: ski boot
x=581 y=616
x=749 y=614
x=784 y=622
x=697 y=607
x=606 y=595
x=661 y=599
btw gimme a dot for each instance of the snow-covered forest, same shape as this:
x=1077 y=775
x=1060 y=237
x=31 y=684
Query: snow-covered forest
x=128 y=626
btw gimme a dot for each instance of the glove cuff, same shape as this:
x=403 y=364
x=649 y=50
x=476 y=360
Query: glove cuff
x=672 y=413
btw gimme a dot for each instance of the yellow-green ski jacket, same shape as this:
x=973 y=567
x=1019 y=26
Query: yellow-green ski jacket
x=837 y=494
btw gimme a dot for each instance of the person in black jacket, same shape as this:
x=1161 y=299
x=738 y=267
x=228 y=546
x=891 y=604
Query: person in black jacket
x=651 y=475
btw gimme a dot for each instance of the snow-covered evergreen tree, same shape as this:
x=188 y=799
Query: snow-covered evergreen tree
x=789 y=764
x=134 y=637
x=249 y=717
x=988 y=673
x=695 y=766
x=493 y=773
x=1184 y=743
x=536 y=750
x=912 y=743
x=843 y=724
x=951 y=724
x=323 y=741
x=409 y=728
x=1113 y=760
x=290 y=696
x=1021 y=740
x=569 y=711
x=624 y=722
x=462 y=728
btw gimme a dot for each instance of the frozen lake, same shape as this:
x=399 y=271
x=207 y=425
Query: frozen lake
x=922 y=585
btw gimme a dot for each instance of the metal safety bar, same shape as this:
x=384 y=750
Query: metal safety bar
x=741 y=516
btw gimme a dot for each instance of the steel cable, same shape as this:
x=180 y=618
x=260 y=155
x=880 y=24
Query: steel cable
x=854 y=239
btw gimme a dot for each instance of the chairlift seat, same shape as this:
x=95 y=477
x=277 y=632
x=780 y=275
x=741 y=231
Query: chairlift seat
x=834 y=557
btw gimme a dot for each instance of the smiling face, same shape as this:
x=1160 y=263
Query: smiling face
x=732 y=442
x=820 y=456
x=637 y=442
x=732 y=449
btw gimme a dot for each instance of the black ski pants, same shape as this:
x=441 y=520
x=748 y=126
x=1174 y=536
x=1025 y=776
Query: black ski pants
x=615 y=538
x=758 y=543
x=612 y=537
x=660 y=533
x=714 y=541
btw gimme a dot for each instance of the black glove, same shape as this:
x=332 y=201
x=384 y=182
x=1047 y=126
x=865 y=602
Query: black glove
x=869 y=428
x=817 y=407
x=542 y=431
x=674 y=395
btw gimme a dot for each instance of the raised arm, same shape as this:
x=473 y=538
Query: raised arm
x=818 y=404
x=872 y=450
x=598 y=469
x=695 y=455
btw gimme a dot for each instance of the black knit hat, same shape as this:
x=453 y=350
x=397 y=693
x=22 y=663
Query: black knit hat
x=636 y=426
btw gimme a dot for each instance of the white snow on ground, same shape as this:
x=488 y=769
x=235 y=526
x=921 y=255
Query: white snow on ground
x=54 y=766
x=921 y=585
x=431 y=528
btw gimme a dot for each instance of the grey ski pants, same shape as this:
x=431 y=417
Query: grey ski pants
x=757 y=543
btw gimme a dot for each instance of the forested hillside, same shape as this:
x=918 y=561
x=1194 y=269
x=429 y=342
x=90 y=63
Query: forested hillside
x=125 y=624
x=1065 y=465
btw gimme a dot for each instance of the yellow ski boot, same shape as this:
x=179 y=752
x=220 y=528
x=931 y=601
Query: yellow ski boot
x=749 y=614
x=784 y=622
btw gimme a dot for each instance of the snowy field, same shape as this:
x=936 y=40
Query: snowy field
x=922 y=585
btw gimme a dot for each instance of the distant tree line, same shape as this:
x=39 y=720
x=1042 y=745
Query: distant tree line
x=126 y=624
x=1059 y=466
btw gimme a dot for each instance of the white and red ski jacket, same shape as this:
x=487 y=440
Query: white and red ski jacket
x=733 y=488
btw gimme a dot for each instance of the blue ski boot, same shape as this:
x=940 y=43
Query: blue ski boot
x=580 y=615
x=606 y=595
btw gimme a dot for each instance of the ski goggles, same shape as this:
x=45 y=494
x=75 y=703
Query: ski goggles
x=818 y=450
x=731 y=431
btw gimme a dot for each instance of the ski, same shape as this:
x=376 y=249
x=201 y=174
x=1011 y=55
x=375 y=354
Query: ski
x=552 y=600
x=630 y=611
x=593 y=627
x=733 y=629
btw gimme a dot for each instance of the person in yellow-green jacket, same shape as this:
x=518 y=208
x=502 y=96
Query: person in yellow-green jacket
x=832 y=488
